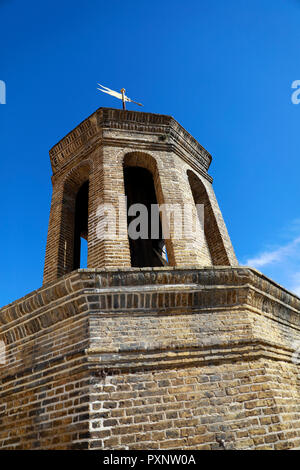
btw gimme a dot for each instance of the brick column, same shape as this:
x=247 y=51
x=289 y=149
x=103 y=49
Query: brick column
x=173 y=189
x=52 y=249
x=60 y=242
x=106 y=189
x=216 y=234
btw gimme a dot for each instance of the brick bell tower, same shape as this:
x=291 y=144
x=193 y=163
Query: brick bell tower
x=115 y=153
x=162 y=342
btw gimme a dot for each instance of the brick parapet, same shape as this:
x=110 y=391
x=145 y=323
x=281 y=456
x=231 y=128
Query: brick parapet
x=141 y=291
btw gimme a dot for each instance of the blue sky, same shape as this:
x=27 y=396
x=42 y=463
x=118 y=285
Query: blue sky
x=224 y=70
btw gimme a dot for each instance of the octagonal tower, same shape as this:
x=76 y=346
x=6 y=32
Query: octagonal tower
x=89 y=166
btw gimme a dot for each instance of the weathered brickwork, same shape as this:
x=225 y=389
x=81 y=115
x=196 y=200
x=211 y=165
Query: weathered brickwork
x=196 y=407
x=152 y=358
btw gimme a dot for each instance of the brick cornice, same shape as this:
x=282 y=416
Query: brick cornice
x=94 y=130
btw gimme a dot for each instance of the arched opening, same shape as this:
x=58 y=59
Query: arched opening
x=73 y=219
x=147 y=245
x=213 y=237
x=81 y=227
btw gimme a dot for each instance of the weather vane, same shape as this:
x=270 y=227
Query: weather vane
x=120 y=96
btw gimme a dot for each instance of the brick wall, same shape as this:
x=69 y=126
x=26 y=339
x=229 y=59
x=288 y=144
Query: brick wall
x=151 y=358
x=194 y=407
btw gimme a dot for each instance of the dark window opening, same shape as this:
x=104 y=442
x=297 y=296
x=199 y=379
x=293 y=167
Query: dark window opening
x=139 y=189
x=212 y=233
x=81 y=226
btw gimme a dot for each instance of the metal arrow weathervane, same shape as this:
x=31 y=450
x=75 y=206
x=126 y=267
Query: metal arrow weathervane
x=120 y=96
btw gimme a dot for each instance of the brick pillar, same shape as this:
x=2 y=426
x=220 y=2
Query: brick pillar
x=218 y=241
x=51 y=269
x=107 y=188
x=60 y=242
x=195 y=245
x=172 y=189
x=188 y=250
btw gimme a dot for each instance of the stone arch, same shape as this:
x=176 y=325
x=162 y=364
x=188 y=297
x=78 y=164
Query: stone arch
x=76 y=180
x=148 y=162
x=211 y=229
